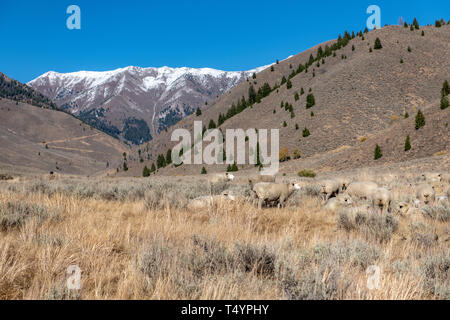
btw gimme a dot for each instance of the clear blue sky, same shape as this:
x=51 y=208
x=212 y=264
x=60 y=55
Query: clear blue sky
x=227 y=35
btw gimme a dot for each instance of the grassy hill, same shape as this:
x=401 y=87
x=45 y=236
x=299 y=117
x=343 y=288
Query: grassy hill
x=35 y=139
x=361 y=94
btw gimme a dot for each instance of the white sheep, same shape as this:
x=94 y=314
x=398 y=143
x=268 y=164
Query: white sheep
x=426 y=194
x=333 y=204
x=362 y=189
x=268 y=191
x=381 y=200
x=209 y=201
x=221 y=177
x=329 y=188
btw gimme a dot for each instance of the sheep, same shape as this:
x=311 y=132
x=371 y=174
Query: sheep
x=269 y=191
x=337 y=202
x=445 y=177
x=425 y=194
x=431 y=177
x=381 y=200
x=345 y=182
x=329 y=188
x=402 y=208
x=208 y=201
x=221 y=177
x=260 y=178
x=362 y=190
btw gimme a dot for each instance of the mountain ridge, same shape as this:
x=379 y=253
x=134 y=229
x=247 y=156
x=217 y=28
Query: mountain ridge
x=154 y=97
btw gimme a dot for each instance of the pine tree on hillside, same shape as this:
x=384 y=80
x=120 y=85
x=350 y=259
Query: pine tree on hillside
x=377 y=44
x=407 y=144
x=445 y=89
x=310 y=101
x=377 y=153
x=169 y=157
x=203 y=171
x=306 y=133
x=145 y=172
x=153 y=168
x=444 y=102
x=198 y=112
x=289 y=84
x=420 y=120
x=416 y=24
x=212 y=124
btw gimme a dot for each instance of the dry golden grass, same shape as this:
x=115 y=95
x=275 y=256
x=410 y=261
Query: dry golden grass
x=128 y=251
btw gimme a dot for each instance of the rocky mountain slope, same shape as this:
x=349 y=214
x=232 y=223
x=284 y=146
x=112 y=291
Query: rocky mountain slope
x=136 y=104
x=359 y=92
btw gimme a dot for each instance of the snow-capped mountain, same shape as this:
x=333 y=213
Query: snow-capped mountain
x=136 y=103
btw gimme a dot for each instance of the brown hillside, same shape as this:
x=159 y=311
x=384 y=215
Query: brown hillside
x=72 y=146
x=358 y=96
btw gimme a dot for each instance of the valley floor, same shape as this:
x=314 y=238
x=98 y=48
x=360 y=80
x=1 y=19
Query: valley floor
x=134 y=239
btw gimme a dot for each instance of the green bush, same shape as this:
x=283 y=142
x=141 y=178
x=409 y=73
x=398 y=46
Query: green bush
x=306 y=173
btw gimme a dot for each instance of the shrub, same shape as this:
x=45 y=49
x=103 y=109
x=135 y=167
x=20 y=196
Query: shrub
x=306 y=173
x=284 y=155
x=16 y=214
x=203 y=171
x=296 y=154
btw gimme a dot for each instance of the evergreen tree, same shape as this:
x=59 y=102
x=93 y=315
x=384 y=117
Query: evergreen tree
x=407 y=144
x=444 y=102
x=203 y=171
x=272 y=69
x=416 y=24
x=296 y=126
x=283 y=80
x=254 y=75
x=212 y=124
x=198 y=112
x=251 y=95
x=306 y=133
x=145 y=172
x=377 y=44
x=234 y=167
x=377 y=153
x=445 y=89
x=153 y=168
x=289 y=84
x=125 y=166
x=296 y=96
x=169 y=157
x=310 y=101
x=161 y=161
x=420 y=120
x=302 y=92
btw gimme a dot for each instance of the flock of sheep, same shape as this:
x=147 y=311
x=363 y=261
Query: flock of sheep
x=335 y=193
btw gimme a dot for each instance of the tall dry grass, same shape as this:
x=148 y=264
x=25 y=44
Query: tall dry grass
x=133 y=245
